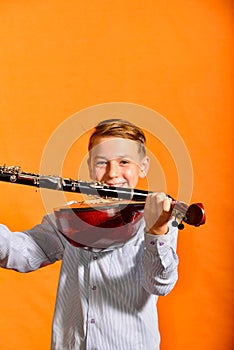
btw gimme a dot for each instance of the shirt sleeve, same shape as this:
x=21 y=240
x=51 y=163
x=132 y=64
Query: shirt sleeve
x=29 y=250
x=160 y=262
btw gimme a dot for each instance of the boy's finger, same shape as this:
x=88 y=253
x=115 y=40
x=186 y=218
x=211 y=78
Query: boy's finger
x=167 y=204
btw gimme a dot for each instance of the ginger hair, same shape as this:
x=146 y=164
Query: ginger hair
x=118 y=128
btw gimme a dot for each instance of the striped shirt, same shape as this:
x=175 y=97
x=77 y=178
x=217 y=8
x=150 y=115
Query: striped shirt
x=105 y=300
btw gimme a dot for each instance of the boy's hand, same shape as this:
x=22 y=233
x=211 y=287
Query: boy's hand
x=157 y=213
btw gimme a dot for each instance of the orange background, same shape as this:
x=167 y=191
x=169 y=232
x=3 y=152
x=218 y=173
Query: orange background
x=175 y=57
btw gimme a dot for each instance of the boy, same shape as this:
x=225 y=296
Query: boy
x=106 y=300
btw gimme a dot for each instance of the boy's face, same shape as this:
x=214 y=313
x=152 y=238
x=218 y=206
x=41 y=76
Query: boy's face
x=117 y=162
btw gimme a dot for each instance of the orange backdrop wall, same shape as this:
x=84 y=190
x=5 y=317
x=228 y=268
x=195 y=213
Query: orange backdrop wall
x=175 y=57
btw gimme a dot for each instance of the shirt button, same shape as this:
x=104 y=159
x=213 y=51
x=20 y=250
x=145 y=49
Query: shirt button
x=161 y=243
x=94 y=287
x=95 y=257
x=152 y=242
x=92 y=320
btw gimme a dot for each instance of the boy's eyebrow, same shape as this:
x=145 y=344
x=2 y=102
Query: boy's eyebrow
x=118 y=156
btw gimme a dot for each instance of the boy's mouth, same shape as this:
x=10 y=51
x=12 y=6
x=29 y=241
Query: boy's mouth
x=121 y=184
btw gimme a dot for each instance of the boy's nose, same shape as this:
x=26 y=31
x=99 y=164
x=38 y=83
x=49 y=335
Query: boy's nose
x=113 y=169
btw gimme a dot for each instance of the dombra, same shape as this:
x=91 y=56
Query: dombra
x=108 y=221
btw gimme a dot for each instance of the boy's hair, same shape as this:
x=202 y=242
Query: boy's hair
x=118 y=128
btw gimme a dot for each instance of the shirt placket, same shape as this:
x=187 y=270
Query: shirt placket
x=93 y=295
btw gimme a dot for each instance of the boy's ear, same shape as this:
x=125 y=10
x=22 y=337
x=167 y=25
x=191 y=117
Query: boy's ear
x=90 y=168
x=144 y=167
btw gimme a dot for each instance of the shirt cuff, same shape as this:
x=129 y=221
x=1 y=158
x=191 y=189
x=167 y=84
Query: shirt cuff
x=156 y=240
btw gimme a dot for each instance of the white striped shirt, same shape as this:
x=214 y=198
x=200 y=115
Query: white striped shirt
x=105 y=300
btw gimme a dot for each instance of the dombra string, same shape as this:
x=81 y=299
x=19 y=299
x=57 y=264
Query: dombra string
x=110 y=218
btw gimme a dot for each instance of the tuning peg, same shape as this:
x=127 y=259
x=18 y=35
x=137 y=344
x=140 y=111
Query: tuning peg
x=180 y=226
x=174 y=223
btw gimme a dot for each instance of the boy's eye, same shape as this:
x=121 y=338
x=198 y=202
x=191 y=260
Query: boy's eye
x=104 y=163
x=124 y=161
x=101 y=163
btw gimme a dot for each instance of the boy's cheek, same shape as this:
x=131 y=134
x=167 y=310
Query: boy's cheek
x=132 y=176
x=98 y=174
x=92 y=173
